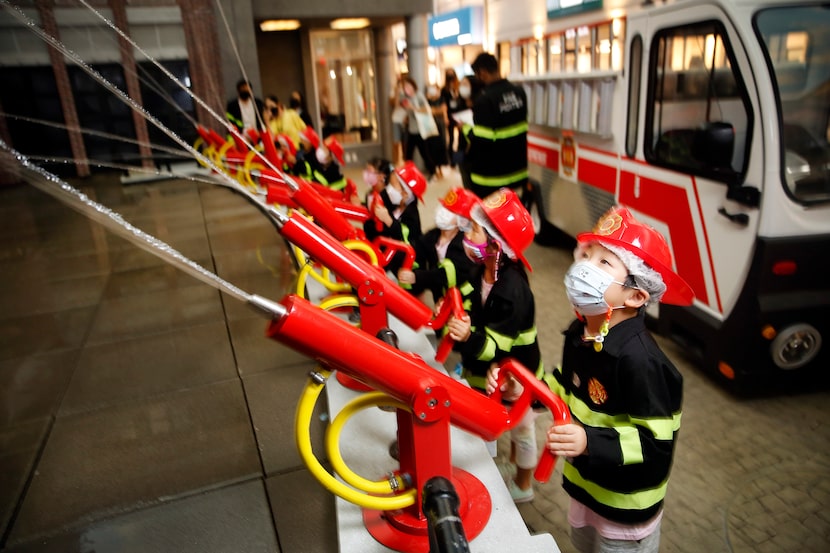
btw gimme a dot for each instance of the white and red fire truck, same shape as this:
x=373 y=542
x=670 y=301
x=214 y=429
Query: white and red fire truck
x=710 y=120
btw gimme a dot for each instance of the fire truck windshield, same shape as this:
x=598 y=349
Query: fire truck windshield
x=797 y=47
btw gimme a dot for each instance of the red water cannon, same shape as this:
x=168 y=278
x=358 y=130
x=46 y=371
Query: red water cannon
x=376 y=292
x=280 y=194
x=429 y=403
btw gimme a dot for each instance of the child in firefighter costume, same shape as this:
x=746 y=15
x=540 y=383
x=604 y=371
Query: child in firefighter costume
x=440 y=260
x=502 y=315
x=624 y=394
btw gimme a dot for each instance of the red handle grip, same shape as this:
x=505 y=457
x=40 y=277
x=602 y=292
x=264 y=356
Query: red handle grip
x=533 y=389
x=375 y=199
x=388 y=247
x=452 y=305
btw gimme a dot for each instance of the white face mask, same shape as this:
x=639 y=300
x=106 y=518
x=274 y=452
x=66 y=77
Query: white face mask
x=394 y=195
x=445 y=219
x=585 y=285
x=464 y=91
x=322 y=155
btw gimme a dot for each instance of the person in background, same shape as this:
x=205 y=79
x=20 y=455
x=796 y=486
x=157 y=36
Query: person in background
x=306 y=158
x=453 y=103
x=624 y=394
x=440 y=260
x=437 y=145
x=271 y=114
x=326 y=171
x=468 y=90
x=501 y=322
x=498 y=139
x=398 y=210
x=413 y=102
x=399 y=121
x=298 y=104
x=245 y=111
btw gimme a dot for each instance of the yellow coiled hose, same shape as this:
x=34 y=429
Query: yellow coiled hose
x=302 y=432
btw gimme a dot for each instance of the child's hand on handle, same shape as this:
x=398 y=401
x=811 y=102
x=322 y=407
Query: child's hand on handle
x=405 y=276
x=459 y=328
x=567 y=440
x=511 y=389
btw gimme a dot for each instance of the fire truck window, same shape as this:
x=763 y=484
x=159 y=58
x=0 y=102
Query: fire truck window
x=635 y=72
x=798 y=49
x=698 y=100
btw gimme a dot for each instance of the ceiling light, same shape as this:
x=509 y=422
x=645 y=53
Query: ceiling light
x=279 y=25
x=350 y=23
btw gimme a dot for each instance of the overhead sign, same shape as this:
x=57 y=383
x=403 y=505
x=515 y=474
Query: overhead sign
x=459 y=27
x=562 y=8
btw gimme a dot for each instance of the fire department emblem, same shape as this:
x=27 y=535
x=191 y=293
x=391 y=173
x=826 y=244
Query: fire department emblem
x=451 y=198
x=496 y=199
x=609 y=224
x=597 y=391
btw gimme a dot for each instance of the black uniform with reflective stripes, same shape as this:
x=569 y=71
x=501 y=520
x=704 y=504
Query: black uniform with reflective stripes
x=505 y=326
x=406 y=228
x=498 y=139
x=628 y=398
x=438 y=276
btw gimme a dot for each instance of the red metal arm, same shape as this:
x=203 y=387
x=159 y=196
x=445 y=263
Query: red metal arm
x=533 y=389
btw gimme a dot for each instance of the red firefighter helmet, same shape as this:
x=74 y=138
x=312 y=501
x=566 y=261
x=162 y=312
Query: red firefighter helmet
x=618 y=227
x=310 y=136
x=460 y=201
x=335 y=148
x=506 y=217
x=409 y=174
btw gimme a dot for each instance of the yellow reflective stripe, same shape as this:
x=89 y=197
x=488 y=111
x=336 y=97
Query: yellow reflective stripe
x=663 y=428
x=234 y=120
x=405 y=233
x=339 y=184
x=449 y=269
x=488 y=352
x=318 y=176
x=500 y=180
x=506 y=342
x=466 y=289
x=479 y=382
x=500 y=133
x=629 y=501
x=632 y=448
x=467 y=305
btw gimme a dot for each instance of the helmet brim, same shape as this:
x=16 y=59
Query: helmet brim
x=678 y=291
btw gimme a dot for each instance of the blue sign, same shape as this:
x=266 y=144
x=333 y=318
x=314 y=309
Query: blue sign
x=459 y=27
x=562 y=8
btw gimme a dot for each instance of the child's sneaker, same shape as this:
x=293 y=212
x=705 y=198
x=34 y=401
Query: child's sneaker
x=519 y=495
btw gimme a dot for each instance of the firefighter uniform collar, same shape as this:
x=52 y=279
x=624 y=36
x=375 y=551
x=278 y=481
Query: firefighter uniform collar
x=619 y=335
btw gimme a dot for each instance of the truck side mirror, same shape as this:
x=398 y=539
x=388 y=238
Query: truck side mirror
x=713 y=145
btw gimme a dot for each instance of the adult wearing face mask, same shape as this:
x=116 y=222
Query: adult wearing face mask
x=397 y=212
x=244 y=111
x=453 y=103
x=440 y=260
x=468 y=90
x=498 y=139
